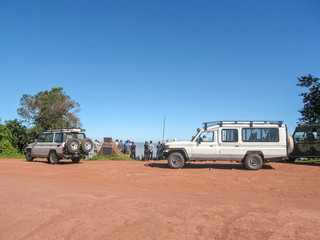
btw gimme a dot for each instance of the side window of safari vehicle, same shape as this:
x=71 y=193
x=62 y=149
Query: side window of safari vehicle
x=49 y=137
x=229 y=135
x=260 y=135
x=42 y=138
x=58 y=137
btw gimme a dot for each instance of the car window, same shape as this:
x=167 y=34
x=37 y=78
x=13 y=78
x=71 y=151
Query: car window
x=229 y=135
x=299 y=136
x=49 y=137
x=260 y=134
x=42 y=138
x=207 y=136
x=58 y=137
x=79 y=136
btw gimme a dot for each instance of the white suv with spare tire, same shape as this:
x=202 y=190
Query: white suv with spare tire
x=60 y=144
x=248 y=142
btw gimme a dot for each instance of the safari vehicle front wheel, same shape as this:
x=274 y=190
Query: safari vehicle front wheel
x=29 y=158
x=176 y=160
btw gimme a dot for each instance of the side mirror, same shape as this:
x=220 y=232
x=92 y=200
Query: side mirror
x=36 y=140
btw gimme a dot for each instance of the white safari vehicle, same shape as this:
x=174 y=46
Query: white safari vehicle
x=247 y=142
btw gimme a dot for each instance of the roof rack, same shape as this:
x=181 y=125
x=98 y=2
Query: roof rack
x=66 y=130
x=221 y=123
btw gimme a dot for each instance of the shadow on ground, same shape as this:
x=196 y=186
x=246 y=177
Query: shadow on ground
x=208 y=166
x=61 y=162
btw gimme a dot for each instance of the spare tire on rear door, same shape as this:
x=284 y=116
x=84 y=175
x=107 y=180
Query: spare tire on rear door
x=73 y=145
x=86 y=145
x=290 y=144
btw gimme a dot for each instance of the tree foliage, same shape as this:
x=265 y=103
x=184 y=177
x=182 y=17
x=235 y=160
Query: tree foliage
x=311 y=99
x=18 y=134
x=49 y=110
x=6 y=147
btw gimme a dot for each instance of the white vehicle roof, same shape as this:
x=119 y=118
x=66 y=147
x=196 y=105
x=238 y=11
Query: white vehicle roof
x=215 y=124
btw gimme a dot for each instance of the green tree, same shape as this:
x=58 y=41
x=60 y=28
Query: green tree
x=18 y=132
x=311 y=99
x=6 y=148
x=49 y=110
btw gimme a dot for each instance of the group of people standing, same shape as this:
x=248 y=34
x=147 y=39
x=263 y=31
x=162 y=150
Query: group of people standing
x=149 y=149
x=128 y=148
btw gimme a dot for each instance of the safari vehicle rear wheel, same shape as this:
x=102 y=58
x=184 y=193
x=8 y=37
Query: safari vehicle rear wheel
x=176 y=160
x=253 y=161
x=53 y=157
x=29 y=158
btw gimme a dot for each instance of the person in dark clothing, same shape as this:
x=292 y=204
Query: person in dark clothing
x=146 y=151
x=133 y=151
x=159 y=146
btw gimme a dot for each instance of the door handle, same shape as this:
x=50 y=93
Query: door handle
x=210 y=145
x=236 y=145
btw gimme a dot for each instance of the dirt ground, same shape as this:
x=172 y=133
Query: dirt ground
x=138 y=200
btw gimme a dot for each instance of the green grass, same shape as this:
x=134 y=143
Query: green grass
x=13 y=156
x=112 y=157
x=310 y=160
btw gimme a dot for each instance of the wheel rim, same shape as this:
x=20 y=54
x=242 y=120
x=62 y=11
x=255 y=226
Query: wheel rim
x=74 y=146
x=254 y=162
x=87 y=145
x=176 y=160
x=53 y=157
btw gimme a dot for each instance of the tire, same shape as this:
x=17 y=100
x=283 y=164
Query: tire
x=253 y=162
x=53 y=157
x=29 y=157
x=73 y=145
x=290 y=144
x=176 y=160
x=75 y=159
x=86 y=145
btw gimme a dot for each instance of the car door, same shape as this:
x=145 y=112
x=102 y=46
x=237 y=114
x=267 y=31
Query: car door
x=36 y=150
x=229 y=144
x=47 y=145
x=205 y=147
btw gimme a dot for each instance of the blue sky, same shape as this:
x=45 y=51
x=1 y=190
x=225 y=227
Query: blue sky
x=130 y=63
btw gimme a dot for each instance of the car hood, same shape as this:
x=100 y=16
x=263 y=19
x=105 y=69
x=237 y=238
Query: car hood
x=177 y=144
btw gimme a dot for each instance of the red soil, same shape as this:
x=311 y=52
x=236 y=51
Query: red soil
x=137 y=200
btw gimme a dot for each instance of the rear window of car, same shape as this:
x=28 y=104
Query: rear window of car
x=79 y=136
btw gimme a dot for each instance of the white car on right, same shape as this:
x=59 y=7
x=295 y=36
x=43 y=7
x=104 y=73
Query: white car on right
x=248 y=142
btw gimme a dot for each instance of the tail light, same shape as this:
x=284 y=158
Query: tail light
x=63 y=149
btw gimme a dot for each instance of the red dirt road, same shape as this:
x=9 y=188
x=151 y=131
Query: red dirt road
x=127 y=200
